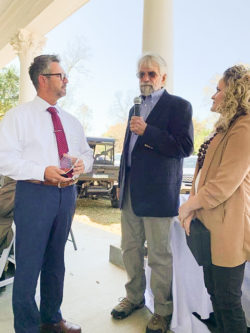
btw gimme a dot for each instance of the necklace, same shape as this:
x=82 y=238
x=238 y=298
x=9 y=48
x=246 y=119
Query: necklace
x=203 y=150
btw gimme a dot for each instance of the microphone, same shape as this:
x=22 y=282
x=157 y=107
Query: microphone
x=137 y=102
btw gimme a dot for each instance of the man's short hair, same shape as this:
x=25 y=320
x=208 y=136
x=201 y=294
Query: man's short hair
x=153 y=58
x=41 y=65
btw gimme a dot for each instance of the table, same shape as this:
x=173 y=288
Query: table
x=189 y=292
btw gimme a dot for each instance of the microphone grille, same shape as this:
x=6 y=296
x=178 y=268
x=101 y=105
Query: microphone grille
x=137 y=100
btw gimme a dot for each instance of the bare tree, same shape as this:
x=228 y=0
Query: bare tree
x=85 y=115
x=76 y=55
x=74 y=61
x=117 y=132
x=122 y=105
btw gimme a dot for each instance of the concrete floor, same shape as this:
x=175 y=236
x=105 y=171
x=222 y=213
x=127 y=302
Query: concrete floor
x=92 y=286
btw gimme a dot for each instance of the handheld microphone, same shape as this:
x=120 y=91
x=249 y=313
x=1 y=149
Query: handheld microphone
x=137 y=102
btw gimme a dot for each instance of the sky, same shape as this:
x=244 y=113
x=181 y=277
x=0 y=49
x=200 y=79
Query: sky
x=209 y=37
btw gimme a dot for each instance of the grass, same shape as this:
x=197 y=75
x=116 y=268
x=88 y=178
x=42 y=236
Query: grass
x=98 y=211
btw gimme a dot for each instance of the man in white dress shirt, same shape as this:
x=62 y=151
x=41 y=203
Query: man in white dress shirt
x=45 y=198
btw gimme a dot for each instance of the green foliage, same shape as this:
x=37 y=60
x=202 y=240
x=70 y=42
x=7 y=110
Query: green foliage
x=9 y=89
x=201 y=131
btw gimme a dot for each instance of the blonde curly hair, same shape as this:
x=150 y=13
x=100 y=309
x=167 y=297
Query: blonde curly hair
x=237 y=97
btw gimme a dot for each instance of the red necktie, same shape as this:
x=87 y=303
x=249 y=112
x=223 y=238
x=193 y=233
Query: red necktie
x=62 y=145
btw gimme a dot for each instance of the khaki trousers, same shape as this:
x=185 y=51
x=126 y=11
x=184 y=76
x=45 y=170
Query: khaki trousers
x=156 y=230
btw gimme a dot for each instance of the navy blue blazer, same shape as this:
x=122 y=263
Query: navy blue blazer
x=157 y=158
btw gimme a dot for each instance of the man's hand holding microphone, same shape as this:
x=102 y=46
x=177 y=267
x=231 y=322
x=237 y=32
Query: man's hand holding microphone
x=137 y=124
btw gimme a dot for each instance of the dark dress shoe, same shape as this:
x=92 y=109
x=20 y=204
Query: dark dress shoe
x=62 y=327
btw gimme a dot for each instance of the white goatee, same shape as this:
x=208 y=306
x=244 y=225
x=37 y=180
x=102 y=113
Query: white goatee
x=146 y=89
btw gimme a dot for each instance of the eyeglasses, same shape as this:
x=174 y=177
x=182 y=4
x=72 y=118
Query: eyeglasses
x=151 y=75
x=63 y=76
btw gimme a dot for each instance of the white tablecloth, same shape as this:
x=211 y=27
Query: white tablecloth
x=189 y=292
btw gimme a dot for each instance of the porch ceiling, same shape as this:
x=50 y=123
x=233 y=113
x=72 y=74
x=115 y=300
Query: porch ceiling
x=39 y=17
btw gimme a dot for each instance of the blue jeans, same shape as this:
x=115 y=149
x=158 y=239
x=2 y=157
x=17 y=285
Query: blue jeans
x=224 y=287
x=43 y=216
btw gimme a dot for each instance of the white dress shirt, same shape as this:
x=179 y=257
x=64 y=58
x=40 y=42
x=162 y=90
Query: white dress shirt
x=28 y=142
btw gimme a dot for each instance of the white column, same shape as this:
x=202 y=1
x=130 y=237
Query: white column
x=158 y=32
x=27 y=45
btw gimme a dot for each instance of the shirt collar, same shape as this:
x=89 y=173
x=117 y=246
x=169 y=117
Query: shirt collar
x=154 y=94
x=45 y=105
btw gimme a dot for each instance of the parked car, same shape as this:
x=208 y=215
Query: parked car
x=102 y=181
x=188 y=172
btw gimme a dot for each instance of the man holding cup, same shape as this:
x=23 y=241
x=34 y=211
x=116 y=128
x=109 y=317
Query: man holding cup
x=35 y=137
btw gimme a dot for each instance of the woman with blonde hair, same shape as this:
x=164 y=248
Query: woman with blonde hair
x=220 y=198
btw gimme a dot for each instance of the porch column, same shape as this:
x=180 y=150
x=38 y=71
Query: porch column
x=27 y=45
x=158 y=32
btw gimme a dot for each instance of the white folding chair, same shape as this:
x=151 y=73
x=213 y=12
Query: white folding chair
x=8 y=256
x=5 y=257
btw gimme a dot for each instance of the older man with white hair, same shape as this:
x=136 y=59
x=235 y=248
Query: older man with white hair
x=156 y=142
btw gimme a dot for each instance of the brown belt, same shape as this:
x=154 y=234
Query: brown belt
x=48 y=183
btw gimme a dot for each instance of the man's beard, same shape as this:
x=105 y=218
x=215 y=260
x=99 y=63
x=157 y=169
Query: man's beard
x=146 y=89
